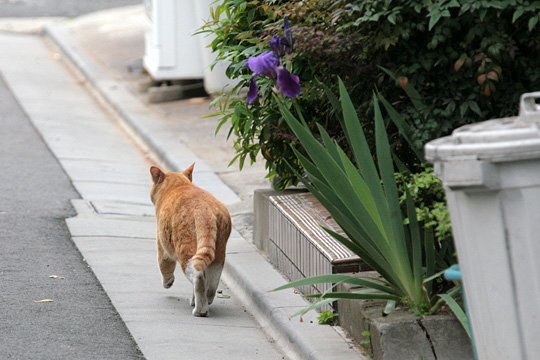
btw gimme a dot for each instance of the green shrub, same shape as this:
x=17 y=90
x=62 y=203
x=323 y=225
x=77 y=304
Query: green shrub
x=243 y=29
x=470 y=60
x=428 y=195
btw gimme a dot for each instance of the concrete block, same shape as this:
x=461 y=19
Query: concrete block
x=139 y=194
x=261 y=203
x=104 y=207
x=107 y=171
x=99 y=227
x=299 y=247
x=447 y=336
x=401 y=335
x=301 y=339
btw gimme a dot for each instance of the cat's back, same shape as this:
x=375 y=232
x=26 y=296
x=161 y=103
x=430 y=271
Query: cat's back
x=189 y=200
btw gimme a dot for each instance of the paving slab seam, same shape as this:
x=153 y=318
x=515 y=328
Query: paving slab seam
x=132 y=116
x=323 y=342
x=87 y=74
x=95 y=78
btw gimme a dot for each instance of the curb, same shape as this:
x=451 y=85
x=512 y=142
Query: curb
x=299 y=338
x=104 y=89
x=246 y=269
x=132 y=115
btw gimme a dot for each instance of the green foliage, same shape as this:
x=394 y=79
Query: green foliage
x=470 y=60
x=364 y=201
x=326 y=317
x=243 y=29
x=366 y=338
x=458 y=311
x=428 y=195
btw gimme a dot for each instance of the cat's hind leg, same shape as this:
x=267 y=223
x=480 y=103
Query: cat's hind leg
x=213 y=274
x=200 y=287
x=166 y=266
x=201 y=301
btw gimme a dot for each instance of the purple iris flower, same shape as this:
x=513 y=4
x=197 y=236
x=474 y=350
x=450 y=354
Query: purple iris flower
x=263 y=64
x=268 y=64
x=287 y=30
x=277 y=44
x=282 y=45
x=253 y=92
x=288 y=83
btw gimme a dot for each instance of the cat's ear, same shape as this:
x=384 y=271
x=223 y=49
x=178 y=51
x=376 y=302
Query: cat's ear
x=157 y=175
x=189 y=172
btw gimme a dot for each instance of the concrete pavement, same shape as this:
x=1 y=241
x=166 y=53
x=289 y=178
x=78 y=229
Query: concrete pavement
x=114 y=227
x=51 y=304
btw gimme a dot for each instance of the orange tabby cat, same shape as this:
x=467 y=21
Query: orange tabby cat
x=192 y=227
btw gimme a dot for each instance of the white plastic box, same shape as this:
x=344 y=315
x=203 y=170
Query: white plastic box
x=171 y=50
x=491 y=175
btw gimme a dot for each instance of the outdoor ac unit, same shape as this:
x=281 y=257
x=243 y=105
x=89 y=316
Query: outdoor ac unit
x=171 y=50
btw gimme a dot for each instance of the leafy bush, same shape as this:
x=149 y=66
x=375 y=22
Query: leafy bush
x=428 y=195
x=243 y=29
x=470 y=60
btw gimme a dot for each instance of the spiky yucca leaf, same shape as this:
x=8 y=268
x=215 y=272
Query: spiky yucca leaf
x=363 y=200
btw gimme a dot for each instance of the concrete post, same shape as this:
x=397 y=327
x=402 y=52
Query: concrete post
x=491 y=175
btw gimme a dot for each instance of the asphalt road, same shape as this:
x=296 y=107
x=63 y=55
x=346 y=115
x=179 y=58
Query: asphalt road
x=38 y=260
x=31 y=8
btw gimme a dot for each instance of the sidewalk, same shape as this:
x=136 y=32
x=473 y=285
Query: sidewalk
x=114 y=227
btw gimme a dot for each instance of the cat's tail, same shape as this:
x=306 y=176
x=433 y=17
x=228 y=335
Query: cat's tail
x=206 y=230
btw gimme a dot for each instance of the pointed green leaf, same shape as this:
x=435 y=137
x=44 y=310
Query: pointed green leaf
x=429 y=250
x=433 y=276
x=378 y=262
x=356 y=296
x=357 y=140
x=339 y=278
x=307 y=165
x=359 y=215
x=416 y=242
x=533 y=21
x=316 y=305
x=334 y=101
x=458 y=312
x=400 y=256
x=386 y=168
x=329 y=144
x=299 y=112
x=377 y=211
x=402 y=125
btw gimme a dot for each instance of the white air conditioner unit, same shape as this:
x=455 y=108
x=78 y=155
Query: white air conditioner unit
x=171 y=50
